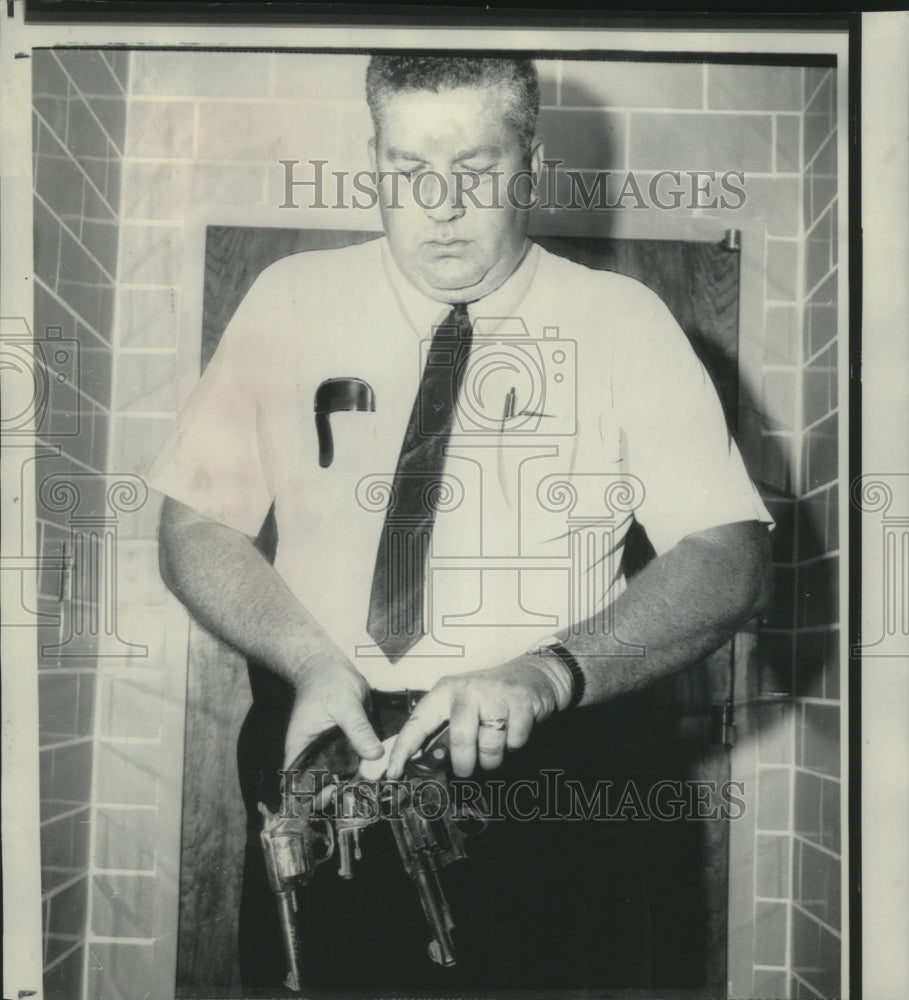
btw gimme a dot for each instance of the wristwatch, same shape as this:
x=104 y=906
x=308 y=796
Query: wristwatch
x=552 y=646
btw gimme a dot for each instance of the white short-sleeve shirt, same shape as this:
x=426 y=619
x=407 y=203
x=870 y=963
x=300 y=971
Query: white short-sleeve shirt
x=583 y=404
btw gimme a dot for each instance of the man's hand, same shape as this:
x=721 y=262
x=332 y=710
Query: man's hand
x=330 y=692
x=678 y=609
x=487 y=711
x=229 y=587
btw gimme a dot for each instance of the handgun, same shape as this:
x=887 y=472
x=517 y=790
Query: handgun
x=301 y=835
x=294 y=847
x=322 y=807
x=428 y=839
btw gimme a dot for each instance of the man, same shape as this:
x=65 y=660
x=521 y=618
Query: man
x=504 y=640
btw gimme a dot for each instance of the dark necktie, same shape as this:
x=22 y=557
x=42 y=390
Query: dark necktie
x=396 y=602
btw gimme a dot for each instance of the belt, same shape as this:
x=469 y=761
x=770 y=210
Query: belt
x=395 y=701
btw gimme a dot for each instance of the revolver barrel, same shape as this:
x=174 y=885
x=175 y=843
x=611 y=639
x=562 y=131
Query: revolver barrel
x=438 y=916
x=421 y=863
x=287 y=908
x=293 y=847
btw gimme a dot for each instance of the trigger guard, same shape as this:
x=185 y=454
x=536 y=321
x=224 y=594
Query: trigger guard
x=327 y=838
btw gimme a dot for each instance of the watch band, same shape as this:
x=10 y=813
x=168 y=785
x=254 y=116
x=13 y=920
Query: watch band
x=578 y=681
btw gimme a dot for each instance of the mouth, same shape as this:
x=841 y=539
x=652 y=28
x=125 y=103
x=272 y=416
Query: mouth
x=446 y=248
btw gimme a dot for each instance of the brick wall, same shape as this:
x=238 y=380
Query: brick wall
x=815 y=932
x=797 y=917
x=206 y=129
x=79 y=121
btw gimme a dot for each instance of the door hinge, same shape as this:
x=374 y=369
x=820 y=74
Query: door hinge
x=722 y=724
x=732 y=240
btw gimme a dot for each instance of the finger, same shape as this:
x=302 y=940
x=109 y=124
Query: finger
x=520 y=723
x=353 y=720
x=462 y=733
x=492 y=735
x=430 y=712
x=324 y=797
x=491 y=747
x=372 y=770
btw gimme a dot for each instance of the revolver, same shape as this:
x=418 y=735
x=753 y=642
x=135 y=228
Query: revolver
x=326 y=811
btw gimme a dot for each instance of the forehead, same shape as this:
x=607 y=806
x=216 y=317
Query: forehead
x=455 y=115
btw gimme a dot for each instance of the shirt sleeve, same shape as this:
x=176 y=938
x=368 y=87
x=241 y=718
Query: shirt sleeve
x=677 y=441
x=213 y=460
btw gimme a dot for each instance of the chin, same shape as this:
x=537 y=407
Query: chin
x=452 y=279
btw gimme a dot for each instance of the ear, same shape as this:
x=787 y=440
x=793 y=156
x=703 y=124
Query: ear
x=371 y=150
x=536 y=155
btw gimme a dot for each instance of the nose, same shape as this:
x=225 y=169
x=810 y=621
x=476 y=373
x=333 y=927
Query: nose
x=440 y=198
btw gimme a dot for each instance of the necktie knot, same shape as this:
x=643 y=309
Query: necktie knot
x=456 y=323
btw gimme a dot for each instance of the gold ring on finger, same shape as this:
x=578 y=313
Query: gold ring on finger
x=499 y=724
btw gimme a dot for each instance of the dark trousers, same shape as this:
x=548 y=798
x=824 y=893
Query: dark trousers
x=558 y=904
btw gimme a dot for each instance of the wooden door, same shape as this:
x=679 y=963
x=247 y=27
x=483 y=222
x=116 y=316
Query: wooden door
x=666 y=731
x=663 y=733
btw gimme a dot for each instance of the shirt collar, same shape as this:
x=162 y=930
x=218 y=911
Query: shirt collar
x=424 y=313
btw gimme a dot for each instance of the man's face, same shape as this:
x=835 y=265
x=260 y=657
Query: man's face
x=457 y=231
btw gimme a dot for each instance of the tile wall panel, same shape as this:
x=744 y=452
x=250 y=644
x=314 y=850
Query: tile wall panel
x=773 y=799
x=160 y=130
x=63 y=980
x=770 y=984
x=816 y=882
x=123 y=906
x=208 y=74
x=770 y=927
x=125 y=838
x=79 y=111
x=788 y=142
x=775 y=660
x=771 y=880
x=703 y=141
x=126 y=773
x=752 y=87
x=814 y=946
x=114 y=969
x=621 y=85
x=585 y=138
x=816 y=954
x=799 y=642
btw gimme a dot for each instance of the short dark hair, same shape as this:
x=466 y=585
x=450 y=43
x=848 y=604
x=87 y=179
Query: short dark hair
x=517 y=78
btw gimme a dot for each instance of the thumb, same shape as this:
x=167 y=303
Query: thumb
x=357 y=729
